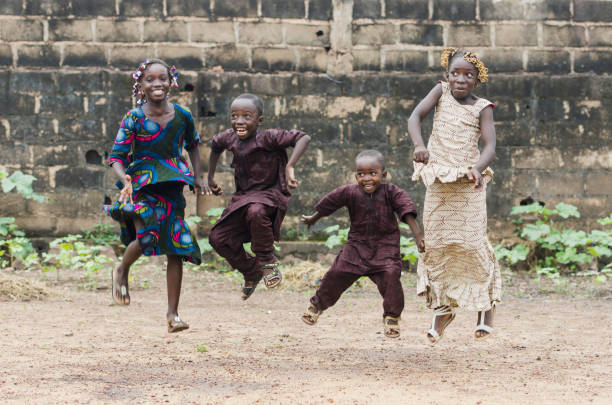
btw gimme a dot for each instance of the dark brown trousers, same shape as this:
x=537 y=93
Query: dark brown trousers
x=336 y=281
x=253 y=222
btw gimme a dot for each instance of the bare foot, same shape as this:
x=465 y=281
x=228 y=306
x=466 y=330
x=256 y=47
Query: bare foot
x=120 y=289
x=488 y=321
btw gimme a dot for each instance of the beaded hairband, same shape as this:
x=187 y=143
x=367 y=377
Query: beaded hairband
x=140 y=71
x=468 y=56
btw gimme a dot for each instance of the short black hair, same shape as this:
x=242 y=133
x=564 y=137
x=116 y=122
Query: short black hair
x=256 y=100
x=371 y=154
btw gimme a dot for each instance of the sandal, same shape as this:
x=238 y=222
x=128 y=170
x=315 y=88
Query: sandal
x=124 y=298
x=311 y=315
x=481 y=326
x=392 y=329
x=432 y=334
x=249 y=288
x=176 y=325
x=272 y=275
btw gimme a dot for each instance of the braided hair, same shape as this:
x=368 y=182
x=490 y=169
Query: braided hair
x=137 y=75
x=451 y=53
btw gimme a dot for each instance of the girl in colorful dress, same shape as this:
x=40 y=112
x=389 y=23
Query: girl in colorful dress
x=147 y=159
x=458 y=267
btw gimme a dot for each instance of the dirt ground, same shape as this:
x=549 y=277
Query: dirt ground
x=552 y=344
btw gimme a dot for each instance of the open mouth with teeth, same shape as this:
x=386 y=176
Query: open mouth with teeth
x=158 y=92
x=368 y=187
x=241 y=132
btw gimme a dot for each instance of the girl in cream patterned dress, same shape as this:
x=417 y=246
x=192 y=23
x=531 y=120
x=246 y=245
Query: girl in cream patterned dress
x=458 y=268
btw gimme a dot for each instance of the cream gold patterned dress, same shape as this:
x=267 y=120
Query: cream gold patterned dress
x=458 y=267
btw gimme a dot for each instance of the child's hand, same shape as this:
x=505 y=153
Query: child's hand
x=310 y=220
x=291 y=181
x=125 y=195
x=475 y=176
x=214 y=187
x=420 y=242
x=199 y=187
x=421 y=154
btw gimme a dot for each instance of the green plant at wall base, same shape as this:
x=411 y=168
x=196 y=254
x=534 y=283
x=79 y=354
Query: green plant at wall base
x=337 y=236
x=553 y=248
x=102 y=234
x=70 y=253
x=14 y=246
x=20 y=182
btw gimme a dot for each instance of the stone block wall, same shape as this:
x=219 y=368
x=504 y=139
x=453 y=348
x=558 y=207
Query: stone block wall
x=349 y=72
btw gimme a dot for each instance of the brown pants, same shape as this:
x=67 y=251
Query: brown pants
x=253 y=222
x=336 y=281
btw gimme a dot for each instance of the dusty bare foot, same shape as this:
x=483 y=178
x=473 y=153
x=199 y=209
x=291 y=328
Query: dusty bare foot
x=119 y=286
x=485 y=328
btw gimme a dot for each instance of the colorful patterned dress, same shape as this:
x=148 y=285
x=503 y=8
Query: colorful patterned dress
x=459 y=267
x=153 y=158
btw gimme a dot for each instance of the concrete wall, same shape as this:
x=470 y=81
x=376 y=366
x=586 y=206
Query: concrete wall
x=348 y=72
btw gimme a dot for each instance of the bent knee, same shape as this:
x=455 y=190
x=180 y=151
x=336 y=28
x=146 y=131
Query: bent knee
x=257 y=211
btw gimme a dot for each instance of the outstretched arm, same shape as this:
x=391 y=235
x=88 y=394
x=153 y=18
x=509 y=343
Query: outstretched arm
x=487 y=137
x=410 y=219
x=414 y=123
x=198 y=182
x=298 y=151
x=212 y=168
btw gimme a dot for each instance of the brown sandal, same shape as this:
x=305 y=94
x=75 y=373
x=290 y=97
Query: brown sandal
x=392 y=329
x=311 y=315
x=249 y=288
x=176 y=325
x=272 y=275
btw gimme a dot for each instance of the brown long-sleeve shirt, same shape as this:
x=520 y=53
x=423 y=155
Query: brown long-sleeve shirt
x=374 y=237
x=259 y=165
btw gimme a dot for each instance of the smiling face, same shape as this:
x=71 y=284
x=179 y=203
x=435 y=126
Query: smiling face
x=155 y=82
x=245 y=118
x=462 y=77
x=369 y=173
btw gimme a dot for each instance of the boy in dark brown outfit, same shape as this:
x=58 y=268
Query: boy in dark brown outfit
x=373 y=245
x=263 y=176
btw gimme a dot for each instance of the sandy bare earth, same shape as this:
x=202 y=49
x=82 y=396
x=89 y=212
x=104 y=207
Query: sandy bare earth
x=77 y=348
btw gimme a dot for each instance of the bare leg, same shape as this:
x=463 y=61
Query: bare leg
x=121 y=273
x=174 y=279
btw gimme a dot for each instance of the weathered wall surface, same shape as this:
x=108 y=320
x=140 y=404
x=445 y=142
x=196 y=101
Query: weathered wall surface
x=348 y=72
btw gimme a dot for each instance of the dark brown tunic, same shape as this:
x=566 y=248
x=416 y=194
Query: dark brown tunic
x=259 y=169
x=374 y=237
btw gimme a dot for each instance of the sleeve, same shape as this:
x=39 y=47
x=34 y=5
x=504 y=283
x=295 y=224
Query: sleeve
x=192 y=138
x=401 y=202
x=123 y=142
x=221 y=141
x=281 y=138
x=333 y=201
